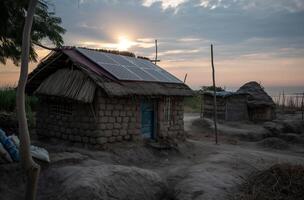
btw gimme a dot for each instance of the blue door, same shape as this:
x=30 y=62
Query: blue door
x=147 y=119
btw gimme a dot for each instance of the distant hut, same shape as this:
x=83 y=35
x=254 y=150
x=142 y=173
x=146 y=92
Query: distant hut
x=261 y=107
x=231 y=106
x=94 y=97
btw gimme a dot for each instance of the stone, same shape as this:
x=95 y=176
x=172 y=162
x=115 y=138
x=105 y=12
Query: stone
x=101 y=126
x=101 y=113
x=118 y=119
x=102 y=106
x=118 y=107
x=126 y=137
x=104 y=119
x=115 y=113
x=117 y=125
x=77 y=138
x=125 y=119
x=111 y=119
x=123 y=132
x=92 y=140
x=115 y=132
x=110 y=107
x=111 y=139
x=123 y=113
x=132 y=125
x=101 y=140
x=109 y=126
x=119 y=138
x=85 y=139
x=108 y=133
x=98 y=133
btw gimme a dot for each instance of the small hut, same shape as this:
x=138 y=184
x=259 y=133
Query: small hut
x=96 y=97
x=231 y=106
x=260 y=105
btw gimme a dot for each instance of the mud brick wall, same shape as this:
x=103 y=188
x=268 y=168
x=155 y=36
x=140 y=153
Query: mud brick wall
x=68 y=120
x=106 y=120
x=118 y=119
x=174 y=127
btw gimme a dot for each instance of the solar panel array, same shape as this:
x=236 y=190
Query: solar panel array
x=129 y=68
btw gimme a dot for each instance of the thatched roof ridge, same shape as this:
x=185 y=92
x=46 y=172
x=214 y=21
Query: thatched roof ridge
x=257 y=95
x=224 y=94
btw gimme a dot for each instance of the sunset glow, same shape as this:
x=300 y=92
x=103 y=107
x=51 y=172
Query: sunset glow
x=245 y=49
x=124 y=43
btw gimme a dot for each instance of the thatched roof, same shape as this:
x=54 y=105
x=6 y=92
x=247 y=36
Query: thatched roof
x=57 y=74
x=67 y=83
x=257 y=96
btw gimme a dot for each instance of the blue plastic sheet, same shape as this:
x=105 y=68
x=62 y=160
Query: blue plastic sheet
x=10 y=146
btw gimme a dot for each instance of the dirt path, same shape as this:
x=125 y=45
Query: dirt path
x=197 y=170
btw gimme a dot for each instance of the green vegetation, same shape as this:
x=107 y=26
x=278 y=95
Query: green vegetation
x=193 y=104
x=8 y=103
x=210 y=88
x=45 y=26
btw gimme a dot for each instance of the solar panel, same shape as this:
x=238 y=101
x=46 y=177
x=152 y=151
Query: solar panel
x=96 y=56
x=158 y=75
x=119 y=72
x=141 y=73
x=129 y=68
x=120 y=59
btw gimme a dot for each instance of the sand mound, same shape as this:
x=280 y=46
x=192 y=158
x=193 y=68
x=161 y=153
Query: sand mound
x=112 y=182
x=281 y=181
x=274 y=143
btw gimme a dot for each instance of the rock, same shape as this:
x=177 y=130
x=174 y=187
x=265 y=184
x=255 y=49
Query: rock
x=274 y=143
x=111 y=182
x=274 y=128
x=290 y=137
x=295 y=126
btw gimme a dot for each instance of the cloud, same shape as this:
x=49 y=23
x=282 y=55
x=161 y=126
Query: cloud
x=189 y=39
x=275 y=5
x=164 y=3
x=178 y=51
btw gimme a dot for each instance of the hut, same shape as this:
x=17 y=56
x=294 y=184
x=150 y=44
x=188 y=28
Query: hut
x=231 y=106
x=260 y=105
x=97 y=97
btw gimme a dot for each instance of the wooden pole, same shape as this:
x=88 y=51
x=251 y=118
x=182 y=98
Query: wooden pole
x=302 y=106
x=202 y=102
x=156 y=51
x=214 y=98
x=185 y=78
x=283 y=99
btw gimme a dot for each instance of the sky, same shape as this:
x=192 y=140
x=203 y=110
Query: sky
x=261 y=40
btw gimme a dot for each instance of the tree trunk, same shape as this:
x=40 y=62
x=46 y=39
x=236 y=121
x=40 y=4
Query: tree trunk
x=31 y=168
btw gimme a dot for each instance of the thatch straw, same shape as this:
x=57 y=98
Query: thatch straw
x=67 y=83
x=257 y=96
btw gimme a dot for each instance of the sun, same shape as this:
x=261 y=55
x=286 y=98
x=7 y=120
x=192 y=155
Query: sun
x=124 y=43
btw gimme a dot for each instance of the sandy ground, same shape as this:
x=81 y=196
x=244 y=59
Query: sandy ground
x=196 y=170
